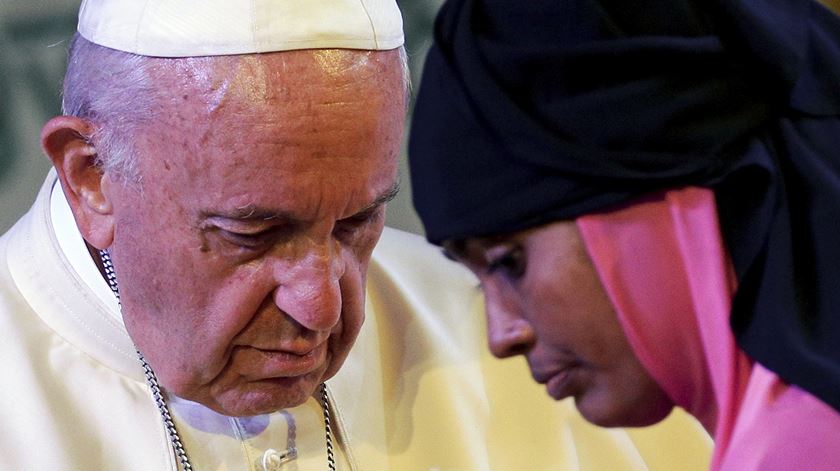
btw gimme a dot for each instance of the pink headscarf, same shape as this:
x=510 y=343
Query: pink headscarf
x=663 y=264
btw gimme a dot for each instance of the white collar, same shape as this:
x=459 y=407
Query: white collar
x=73 y=246
x=210 y=437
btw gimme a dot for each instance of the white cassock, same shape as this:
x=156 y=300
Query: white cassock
x=419 y=390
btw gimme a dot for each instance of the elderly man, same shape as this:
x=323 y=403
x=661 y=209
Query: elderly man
x=194 y=270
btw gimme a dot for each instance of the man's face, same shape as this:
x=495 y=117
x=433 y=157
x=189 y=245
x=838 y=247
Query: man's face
x=241 y=256
x=544 y=300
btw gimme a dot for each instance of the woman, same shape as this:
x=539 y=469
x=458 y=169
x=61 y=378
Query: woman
x=649 y=193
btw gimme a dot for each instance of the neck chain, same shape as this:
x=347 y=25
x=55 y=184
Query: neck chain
x=157 y=393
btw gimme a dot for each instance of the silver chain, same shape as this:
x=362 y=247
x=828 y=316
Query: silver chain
x=151 y=378
x=157 y=393
x=326 y=406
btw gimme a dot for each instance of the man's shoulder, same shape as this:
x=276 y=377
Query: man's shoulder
x=398 y=242
x=414 y=261
x=410 y=279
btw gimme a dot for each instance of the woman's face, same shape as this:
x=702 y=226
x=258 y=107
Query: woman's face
x=544 y=300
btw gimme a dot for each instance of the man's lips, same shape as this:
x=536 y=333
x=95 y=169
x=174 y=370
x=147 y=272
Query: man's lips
x=261 y=363
x=296 y=348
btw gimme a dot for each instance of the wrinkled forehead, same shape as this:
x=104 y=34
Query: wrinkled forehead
x=286 y=122
x=256 y=79
x=279 y=99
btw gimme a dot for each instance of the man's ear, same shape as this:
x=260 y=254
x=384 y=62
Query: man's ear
x=65 y=141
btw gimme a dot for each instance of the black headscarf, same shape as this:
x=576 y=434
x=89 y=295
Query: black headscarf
x=541 y=110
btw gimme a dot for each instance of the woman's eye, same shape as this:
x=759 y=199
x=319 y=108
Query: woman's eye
x=510 y=263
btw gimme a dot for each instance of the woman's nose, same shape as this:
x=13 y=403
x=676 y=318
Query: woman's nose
x=508 y=332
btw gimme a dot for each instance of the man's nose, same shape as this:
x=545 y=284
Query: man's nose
x=508 y=332
x=310 y=291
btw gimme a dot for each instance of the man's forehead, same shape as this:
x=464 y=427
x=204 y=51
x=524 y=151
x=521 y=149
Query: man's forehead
x=293 y=157
x=287 y=100
x=256 y=78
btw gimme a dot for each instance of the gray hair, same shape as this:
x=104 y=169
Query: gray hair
x=116 y=92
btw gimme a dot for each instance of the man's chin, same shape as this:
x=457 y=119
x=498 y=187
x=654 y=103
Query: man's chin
x=265 y=396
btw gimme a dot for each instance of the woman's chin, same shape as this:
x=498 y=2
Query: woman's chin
x=619 y=414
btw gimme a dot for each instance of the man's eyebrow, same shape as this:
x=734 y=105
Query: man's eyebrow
x=248 y=212
x=383 y=198
x=252 y=212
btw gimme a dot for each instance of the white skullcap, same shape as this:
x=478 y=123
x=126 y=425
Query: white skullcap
x=185 y=28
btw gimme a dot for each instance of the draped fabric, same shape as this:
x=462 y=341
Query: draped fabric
x=663 y=263
x=530 y=112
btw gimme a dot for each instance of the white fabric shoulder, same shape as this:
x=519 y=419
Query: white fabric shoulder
x=410 y=257
x=73 y=246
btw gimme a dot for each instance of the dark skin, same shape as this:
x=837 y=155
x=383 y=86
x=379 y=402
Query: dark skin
x=545 y=301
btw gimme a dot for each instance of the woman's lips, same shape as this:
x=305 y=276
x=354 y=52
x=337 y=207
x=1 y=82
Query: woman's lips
x=558 y=386
x=557 y=380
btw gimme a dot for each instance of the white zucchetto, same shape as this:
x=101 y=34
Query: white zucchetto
x=186 y=28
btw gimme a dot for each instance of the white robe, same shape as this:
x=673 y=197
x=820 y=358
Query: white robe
x=419 y=391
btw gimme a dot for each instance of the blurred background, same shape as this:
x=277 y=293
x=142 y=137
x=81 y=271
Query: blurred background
x=33 y=41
